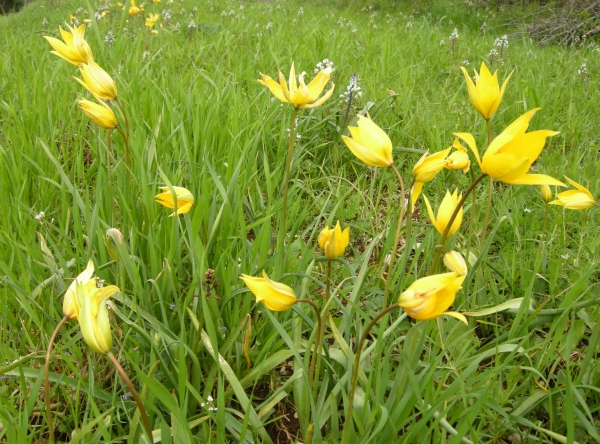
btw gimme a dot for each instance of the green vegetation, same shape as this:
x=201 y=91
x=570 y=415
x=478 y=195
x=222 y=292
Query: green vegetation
x=209 y=363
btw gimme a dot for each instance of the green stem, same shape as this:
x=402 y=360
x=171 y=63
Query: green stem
x=47 y=379
x=440 y=245
x=124 y=116
x=355 y=371
x=286 y=183
x=313 y=358
x=134 y=393
x=472 y=221
x=321 y=330
x=110 y=203
x=488 y=124
x=127 y=157
x=390 y=272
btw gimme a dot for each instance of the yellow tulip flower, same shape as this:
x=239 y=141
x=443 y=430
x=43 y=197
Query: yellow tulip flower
x=334 y=241
x=485 y=93
x=579 y=199
x=546 y=193
x=370 y=143
x=75 y=49
x=93 y=315
x=454 y=261
x=70 y=306
x=97 y=81
x=298 y=93
x=512 y=152
x=275 y=296
x=133 y=9
x=425 y=170
x=100 y=114
x=185 y=199
x=430 y=297
x=445 y=211
x=152 y=19
x=459 y=159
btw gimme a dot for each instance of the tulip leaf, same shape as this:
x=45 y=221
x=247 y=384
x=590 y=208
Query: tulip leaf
x=512 y=306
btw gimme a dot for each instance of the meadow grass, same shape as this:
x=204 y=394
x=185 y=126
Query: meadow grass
x=212 y=365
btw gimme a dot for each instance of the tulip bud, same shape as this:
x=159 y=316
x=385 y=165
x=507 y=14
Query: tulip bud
x=113 y=241
x=546 y=193
x=370 y=143
x=275 y=296
x=100 y=114
x=334 y=241
x=93 y=315
x=454 y=261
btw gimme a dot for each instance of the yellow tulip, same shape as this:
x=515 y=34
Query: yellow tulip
x=100 y=114
x=546 y=193
x=445 y=211
x=579 y=199
x=485 y=93
x=302 y=95
x=152 y=19
x=97 y=81
x=75 y=49
x=370 y=143
x=334 y=241
x=430 y=297
x=70 y=306
x=454 y=261
x=511 y=154
x=275 y=296
x=459 y=159
x=93 y=315
x=425 y=170
x=185 y=199
x=133 y=9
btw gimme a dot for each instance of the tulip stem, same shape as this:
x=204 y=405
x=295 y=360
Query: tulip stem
x=134 y=393
x=355 y=371
x=321 y=329
x=488 y=124
x=286 y=183
x=390 y=272
x=126 y=139
x=124 y=116
x=316 y=346
x=461 y=202
x=47 y=379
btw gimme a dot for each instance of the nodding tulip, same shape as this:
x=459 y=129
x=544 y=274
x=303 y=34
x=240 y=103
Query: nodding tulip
x=425 y=170
x=70 y=306
x=97 y=81
x=370 y=143
x=297 y=92
x=100 y=114
x=454 y=261
x=579 y=199
x=459 y=159
x=185 y=199
x=274 y=295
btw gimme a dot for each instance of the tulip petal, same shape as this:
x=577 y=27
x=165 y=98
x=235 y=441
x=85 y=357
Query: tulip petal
x=431 y=213
x=505 y=166
x=537 y=179
x=580 y=187
x=316 y=86
x=470 y=140
x=415 y=192
x=516 y=129
x=458 y=316
x=501 y=95
x=322 y=100
x=366 y=155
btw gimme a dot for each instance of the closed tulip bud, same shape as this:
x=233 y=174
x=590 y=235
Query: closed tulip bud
x=511 y=154
x=546 y=193
x=93 y=315
x=454 y=261
x=297 y=92
x=74 y=49
x=579 y=199
x=70 y=306
x=430 y=297
x=100 y=114
x=114 y=242
x=426 y=169
x=185 y=199
x=459 y=159
x=485 y=93
x=97 y=81
x=445 y=211
x=274 y=295
x=334 y=241
x=370 y=143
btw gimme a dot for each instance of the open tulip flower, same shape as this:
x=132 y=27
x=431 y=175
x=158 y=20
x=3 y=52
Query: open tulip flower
x=185 y=199
x=445 y=211
x=297 y=92
x=425 y=170
x=512 y=152
x=275 y=296
x=100 y=114
x=97 y=81
x=459 y=159
x=75 y=49
x=579 y=199
x=430 y=297
x=93 y=315
x=370 y=143
x=485 y=93
x=334 y=241
x=70 y=306
x=152 y=19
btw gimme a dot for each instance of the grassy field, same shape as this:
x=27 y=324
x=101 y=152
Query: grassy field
x=211 y=364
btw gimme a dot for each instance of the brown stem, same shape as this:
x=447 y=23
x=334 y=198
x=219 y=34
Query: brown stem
x=47 y=379
x=355 y=371
x=313 y=358
x=440 y=245
x=134 y=393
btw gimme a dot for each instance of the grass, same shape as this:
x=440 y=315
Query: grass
x=185 y=327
